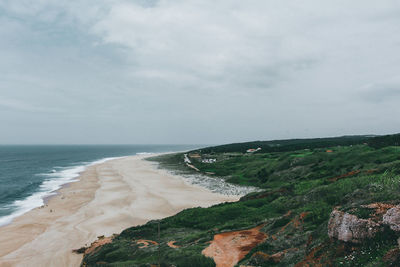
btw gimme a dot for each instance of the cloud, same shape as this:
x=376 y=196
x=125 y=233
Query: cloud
x=225 y=71
x=239 y=44
x=230 y=46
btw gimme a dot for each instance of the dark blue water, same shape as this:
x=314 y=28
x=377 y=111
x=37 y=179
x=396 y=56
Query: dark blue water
x=30 y=173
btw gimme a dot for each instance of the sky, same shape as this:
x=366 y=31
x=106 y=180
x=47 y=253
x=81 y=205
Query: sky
x=197 y=71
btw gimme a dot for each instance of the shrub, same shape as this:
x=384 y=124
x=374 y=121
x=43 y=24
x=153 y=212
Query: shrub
x=196 y=261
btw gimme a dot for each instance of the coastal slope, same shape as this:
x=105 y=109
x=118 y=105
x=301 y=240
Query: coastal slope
x=323 y=202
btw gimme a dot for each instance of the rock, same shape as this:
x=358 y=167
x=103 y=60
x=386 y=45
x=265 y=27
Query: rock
x=349 y=228
x=392 y=218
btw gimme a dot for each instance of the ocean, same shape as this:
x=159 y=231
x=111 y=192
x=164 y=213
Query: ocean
x=30 y=173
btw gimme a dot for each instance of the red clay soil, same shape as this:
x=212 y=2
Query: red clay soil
x=296 y=221
x=352 y=173
x=227 y=249
x=145 y=243
x=274 y=258
x=98 y=243
x=379 y=209
x=311 y=259
x=171 y=244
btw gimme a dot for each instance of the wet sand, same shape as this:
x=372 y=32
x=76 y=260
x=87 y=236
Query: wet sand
x=108 y=198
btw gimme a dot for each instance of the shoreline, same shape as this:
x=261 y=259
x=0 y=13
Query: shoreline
x=107 y=198
x=69 y=178
x=76 y=180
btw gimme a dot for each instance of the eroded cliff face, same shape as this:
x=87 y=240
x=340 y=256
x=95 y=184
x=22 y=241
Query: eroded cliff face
x=349 y=228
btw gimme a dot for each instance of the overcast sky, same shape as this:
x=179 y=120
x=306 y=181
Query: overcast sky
x=203 y=72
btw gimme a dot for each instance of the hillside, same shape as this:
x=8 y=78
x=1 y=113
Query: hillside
x=289 y=144
x=323 y=202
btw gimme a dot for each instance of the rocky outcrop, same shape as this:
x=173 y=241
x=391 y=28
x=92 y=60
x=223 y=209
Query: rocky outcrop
x=349 y=228
x=392 y=218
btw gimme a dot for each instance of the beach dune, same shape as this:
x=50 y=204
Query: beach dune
x=108 y=198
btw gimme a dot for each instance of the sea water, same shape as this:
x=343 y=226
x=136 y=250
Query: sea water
x=30 y=173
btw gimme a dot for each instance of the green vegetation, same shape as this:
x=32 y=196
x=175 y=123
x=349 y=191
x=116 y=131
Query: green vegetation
x=300 y=189
x=289 y=145
x=386 y=140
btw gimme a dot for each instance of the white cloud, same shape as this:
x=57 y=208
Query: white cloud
x=245 y=44
x=211 y=41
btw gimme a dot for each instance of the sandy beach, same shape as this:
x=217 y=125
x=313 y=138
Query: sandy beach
x=108 y=198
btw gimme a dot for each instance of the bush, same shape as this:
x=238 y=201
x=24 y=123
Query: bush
x=196 y=261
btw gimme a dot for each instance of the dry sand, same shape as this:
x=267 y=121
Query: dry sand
x=109 y=197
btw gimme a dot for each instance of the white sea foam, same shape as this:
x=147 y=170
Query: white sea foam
x=56 y=178
x=145 y=153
